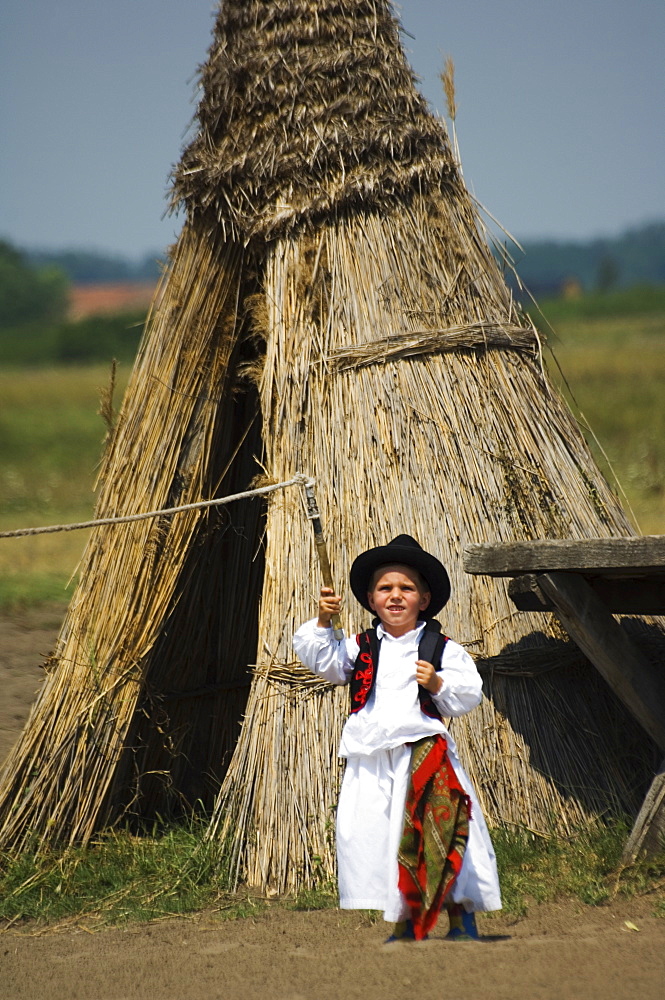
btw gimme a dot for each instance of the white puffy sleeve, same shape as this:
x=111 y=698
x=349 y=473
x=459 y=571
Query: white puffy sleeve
x=324 y=655
x=462 y=685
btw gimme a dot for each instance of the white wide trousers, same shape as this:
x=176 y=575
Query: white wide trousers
x=370 y=821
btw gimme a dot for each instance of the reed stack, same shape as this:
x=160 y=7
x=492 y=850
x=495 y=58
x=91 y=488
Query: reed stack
x=333 y=307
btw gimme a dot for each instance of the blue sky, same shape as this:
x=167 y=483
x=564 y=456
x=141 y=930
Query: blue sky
x=561 y=112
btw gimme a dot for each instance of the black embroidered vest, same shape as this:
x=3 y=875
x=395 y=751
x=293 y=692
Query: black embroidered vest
x=430 y=648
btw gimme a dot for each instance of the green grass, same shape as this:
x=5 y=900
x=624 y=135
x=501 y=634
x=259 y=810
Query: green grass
x=640 y=300
x=29 y=589
x=587 y=867
x=96 y=339
x=611 y=367
x=51 y=440
x=51 y=437
x=122 y=878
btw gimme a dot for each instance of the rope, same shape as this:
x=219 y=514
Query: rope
x=298 y=480
x=472 y=336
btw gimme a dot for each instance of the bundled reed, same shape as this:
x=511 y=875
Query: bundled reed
x=85 y=756
x=332 y=306
x=309 y=108
x=469 y=444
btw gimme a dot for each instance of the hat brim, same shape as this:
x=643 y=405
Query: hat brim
x=429 y=567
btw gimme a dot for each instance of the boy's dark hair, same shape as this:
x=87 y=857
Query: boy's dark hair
x=423 y=585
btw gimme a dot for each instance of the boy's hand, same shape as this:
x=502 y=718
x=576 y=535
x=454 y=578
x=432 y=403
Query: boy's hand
x=428 y=677
x=329 y=605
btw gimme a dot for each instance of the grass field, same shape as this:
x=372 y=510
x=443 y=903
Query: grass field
x=611 y=368
x=51 y=439
x=611 y=350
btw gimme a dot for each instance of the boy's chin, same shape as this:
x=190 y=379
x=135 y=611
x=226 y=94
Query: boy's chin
x=398 y=621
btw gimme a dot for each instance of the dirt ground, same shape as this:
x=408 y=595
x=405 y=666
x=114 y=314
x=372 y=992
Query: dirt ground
x=564 y=951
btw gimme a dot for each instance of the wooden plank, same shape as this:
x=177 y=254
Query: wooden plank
x=620 y=556
x=648 y=834
x=629 y=596
x=604 y=642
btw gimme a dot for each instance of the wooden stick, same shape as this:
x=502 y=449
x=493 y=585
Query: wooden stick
x=322 y=549
x=648 y=832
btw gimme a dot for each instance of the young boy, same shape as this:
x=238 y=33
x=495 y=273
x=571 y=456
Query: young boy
x=410 y=833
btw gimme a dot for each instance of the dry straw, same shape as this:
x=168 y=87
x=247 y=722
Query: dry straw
x=332 y=306
x=461 y=446
x=448 y=82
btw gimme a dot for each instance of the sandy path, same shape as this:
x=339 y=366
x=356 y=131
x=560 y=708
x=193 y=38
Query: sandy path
x=26 y=639
x=557 y=953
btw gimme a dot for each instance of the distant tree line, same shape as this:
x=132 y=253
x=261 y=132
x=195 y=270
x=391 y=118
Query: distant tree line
x=29 y=294
x=91 y=267
x=636 y=257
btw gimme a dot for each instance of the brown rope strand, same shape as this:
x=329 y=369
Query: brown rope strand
x=297 y=480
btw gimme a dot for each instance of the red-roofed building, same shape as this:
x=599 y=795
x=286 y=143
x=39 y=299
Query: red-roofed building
x=123 y=297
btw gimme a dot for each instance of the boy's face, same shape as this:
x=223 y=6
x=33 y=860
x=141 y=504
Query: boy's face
x=397 y=597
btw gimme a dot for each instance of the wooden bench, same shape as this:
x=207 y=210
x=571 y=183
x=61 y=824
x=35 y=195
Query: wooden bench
x=585 y=583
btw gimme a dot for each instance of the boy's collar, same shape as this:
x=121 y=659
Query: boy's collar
x=381 y=631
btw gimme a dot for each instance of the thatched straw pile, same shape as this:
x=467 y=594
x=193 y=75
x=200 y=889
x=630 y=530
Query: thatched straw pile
x=364 y=335
x=144 y=690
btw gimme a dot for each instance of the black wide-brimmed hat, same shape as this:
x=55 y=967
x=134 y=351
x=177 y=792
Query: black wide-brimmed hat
x=406 y=551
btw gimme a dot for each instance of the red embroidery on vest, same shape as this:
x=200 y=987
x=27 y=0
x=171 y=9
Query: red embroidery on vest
x=362 y=680
x=365 y=678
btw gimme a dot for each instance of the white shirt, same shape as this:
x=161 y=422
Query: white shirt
x=392 y=714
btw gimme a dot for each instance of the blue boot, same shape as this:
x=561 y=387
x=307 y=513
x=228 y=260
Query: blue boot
x=402 y=931
x=462 y=924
